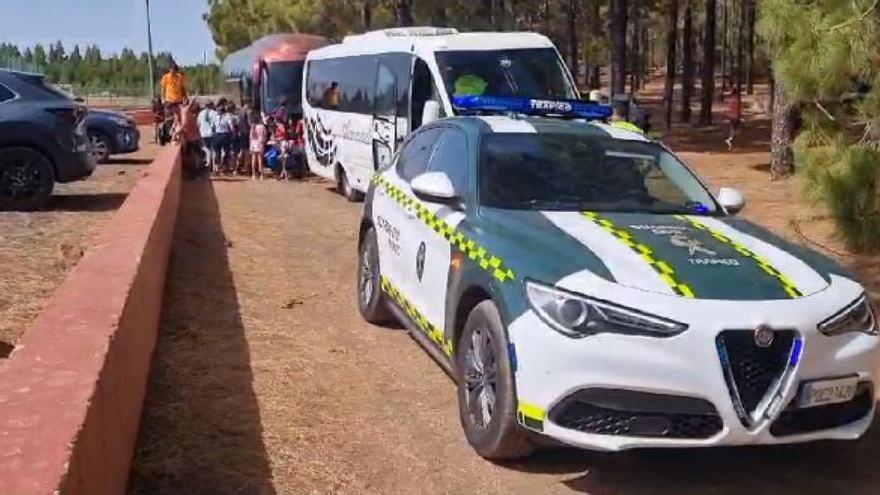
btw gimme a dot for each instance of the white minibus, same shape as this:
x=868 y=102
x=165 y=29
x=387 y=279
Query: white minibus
x=363 y=96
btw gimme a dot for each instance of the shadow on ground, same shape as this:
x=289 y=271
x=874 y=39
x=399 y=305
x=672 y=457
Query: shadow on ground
x=817 y=468
x=5 y=349
x=200 y=430
x=128 y=161
x=86 y=202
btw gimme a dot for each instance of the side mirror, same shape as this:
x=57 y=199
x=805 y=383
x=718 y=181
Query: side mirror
x=434 y=187
x=431 y=112
x=731 y=200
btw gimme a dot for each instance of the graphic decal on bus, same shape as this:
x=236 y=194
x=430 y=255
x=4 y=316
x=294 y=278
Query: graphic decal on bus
x=321 y=141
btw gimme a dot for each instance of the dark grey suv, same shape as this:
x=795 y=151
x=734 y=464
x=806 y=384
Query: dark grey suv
x=42 y=141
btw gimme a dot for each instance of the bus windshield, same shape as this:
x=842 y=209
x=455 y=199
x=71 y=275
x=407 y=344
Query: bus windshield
x=530 y=72
x=284 y=83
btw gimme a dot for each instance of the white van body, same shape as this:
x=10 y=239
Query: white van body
x=390 y=82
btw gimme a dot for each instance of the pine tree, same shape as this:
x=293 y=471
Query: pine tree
x=825 y=65
x=687 y=75
x=618 y=46
x=671 y=38
x=708 y=73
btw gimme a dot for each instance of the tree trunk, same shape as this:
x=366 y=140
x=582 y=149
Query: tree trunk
x=499 y=15
x=573 y=47
x=367 y=14
x=618 y=46
x=547 y=17
x=708 y=79
x=671 y=35
x=740 y=40
x=403 y=12
x=785 y=115
x=438 y=15
x=687 y=75
x=725 y=61
x=633 y=54
x=596 y=27
x=750 y=48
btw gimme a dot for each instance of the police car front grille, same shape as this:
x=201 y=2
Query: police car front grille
x=635 y=414
x=751 y=370
x=795 y=421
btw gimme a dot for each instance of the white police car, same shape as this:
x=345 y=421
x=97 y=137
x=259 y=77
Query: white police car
x=580 y=283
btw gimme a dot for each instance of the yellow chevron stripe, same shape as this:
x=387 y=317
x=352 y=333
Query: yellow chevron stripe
x=476 y=253
x=666 y=272
x=787 y=285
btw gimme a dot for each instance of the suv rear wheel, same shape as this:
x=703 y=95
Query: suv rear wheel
x=26 y=179
x=371 y=300
x=486 y=396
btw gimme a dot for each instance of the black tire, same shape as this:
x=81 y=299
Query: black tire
x=345 y=188
x=501 y=437
x=26 y=179
x=371 y=301
x=100 y=146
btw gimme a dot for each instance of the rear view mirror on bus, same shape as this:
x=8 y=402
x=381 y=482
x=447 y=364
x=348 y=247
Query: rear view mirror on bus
x=431 y=112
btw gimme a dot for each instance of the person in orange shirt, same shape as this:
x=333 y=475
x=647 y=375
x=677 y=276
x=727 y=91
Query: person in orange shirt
x=173 y=85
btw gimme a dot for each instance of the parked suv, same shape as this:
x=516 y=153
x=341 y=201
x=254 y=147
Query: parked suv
x=42 y=141
x=111 y=133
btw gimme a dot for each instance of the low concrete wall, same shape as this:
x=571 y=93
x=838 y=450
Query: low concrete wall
x=72 y=391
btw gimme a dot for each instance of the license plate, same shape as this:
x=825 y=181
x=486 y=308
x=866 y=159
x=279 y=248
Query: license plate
x=832 y=391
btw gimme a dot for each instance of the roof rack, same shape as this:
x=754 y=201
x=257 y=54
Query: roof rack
x=576 y=109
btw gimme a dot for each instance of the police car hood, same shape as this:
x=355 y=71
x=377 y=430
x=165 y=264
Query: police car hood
x=686 y=256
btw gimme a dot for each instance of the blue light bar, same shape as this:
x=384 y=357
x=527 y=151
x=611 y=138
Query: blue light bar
x=796 y=352
x=530 y=106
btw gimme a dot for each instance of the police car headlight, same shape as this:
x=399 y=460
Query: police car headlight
x=858 y=316
x=579 y=316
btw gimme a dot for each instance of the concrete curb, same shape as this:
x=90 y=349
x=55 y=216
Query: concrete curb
x=71 y=393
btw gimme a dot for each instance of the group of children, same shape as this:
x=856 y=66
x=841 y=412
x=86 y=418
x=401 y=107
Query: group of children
x=229 y=140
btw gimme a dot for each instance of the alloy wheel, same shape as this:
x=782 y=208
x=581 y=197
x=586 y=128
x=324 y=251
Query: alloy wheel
x=481 y=377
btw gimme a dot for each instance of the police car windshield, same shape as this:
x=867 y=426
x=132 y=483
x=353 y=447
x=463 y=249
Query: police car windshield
x=573 y=172
x=532 y=72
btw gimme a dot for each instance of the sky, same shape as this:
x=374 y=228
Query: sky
x=177 y=25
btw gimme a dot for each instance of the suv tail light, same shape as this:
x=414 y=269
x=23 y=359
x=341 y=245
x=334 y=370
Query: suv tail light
x=70 y=115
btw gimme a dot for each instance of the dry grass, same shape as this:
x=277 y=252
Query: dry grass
x=37 y=249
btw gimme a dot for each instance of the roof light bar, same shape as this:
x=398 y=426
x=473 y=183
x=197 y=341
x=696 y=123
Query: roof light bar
x=530 y=106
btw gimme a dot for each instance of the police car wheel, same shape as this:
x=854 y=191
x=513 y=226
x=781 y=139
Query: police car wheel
x=486 y=397
x=371 y=301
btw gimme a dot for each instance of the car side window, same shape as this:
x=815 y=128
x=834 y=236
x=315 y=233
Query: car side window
x=5 y=94
x=451 y=158
x=416 y=153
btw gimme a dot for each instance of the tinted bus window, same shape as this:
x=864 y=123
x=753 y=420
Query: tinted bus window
x=283 y=84
x=345 y=84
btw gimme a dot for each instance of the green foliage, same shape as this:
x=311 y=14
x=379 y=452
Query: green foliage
x=826 y=54
x=89 y=71
x=237 y=23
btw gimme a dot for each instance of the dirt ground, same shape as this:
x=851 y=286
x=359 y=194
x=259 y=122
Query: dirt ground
x=267 y=381
x=38 y=249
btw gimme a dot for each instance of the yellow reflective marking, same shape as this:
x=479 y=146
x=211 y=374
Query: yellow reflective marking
x=531 y=411
x=666 y=273
x=435 y=333
x=490 y=263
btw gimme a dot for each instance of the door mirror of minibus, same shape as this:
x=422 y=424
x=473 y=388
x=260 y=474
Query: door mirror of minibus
x=431 y=112
x=731 y=200
x=434 y=187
